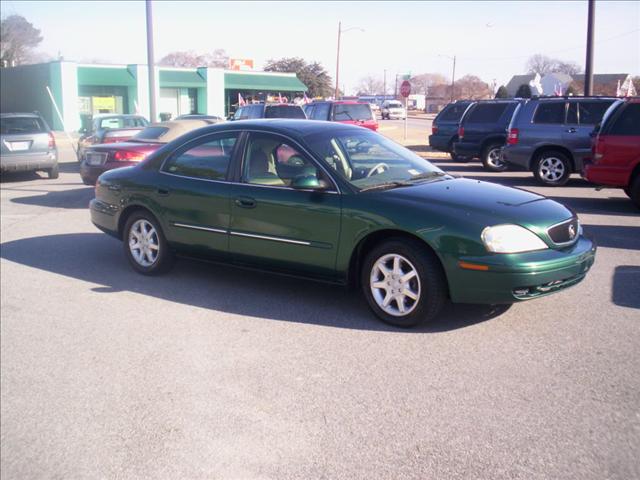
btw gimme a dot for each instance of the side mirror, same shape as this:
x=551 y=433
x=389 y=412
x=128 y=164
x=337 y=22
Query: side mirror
x=308 y=182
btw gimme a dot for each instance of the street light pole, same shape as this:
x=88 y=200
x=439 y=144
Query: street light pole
x=338 y=61
x=453 y=77
x=588 y=69
x=151 y=64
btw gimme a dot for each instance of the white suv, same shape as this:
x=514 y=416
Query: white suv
x=393 y=109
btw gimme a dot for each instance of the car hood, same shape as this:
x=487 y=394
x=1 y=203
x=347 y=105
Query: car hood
x=485 y=203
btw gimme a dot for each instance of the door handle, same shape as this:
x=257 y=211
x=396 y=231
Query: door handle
x=163 y=191
x=571 y=130
x=245 y=202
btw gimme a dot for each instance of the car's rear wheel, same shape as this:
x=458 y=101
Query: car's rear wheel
x=634 y=191
x=53 y=172
x=552 y=168
x=403 y=283
x=145 y=245
x=492 y=158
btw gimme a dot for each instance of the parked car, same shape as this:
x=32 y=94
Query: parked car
x=109 y=128
x=483 y=131
x=393 y=109
x=97 y=159
x=27 y=144
x=343 y=111
x=269 y=110
x=306 y=198
x=552 y=136
x=444 y=129
x=615 y=160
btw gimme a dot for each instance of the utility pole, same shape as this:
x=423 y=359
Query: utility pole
x=338 y=61
x=151 y=64
x=588 y=69
x=384 y=88
x=453 y=77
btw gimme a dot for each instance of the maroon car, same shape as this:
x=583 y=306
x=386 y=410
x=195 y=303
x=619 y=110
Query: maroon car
x=100 y=158
x=109 y=128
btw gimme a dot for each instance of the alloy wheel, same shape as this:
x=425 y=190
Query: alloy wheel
x=551 y=169
x=144 y=244
x=494 y=157
x=395 y=285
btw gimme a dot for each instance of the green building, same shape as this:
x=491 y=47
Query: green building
x=83 y=90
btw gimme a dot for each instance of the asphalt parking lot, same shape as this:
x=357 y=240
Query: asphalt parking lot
x=211 y=372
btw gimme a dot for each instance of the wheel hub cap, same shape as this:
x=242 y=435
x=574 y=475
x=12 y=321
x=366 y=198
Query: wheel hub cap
x=395 y=285
x=143 y=243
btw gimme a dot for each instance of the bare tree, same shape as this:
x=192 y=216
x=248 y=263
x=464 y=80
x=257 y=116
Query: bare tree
x=18 y=38
x=370 y=86
x=473 y=88
x=543 y=65
x=217 y=58
x=423 y=83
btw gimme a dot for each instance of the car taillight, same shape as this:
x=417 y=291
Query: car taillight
x=460 y=132
x=52 y=141
x=127 y=156
x=434 y=130
x=512 y=138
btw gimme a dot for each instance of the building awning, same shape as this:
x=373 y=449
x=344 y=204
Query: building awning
x=263 y=82
x=101 y=76
x=177 y=78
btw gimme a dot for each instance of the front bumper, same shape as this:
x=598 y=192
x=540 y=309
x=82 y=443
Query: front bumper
x=105 y=216
x=28 y=161
x=516 y=277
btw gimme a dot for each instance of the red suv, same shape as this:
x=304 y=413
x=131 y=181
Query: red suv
x=616 y=149
x=343 y=111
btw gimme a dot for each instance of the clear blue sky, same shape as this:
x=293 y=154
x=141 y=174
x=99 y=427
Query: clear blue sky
x=491 y=39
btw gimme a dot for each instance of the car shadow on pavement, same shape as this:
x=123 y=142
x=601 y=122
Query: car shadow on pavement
x=69 y=167
x=626 y=279
x=99 y=259
x=15 y=177
x=74 y=198
x=614 y=236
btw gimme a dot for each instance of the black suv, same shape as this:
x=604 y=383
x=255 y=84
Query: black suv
x=444 y=130
x=265 y=110
x=483 y=132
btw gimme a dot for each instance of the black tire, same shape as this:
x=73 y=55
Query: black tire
x=489 y=159
x=53 y=172
x=164 y=259
x=458 y=158
x=546 y=176
x=634 y=191
x=432 y=281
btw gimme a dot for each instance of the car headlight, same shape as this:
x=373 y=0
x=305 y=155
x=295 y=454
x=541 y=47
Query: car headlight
x=511 y=239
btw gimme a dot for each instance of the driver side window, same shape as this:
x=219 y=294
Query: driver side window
x=269 y=160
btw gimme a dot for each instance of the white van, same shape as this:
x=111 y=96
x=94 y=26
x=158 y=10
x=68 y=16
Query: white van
x=393 y=109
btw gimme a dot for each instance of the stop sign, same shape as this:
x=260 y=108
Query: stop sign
x=405 y=89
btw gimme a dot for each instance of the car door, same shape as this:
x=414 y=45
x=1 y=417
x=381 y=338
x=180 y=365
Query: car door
x=275 y=225
x=621 y=140
x=194 y=195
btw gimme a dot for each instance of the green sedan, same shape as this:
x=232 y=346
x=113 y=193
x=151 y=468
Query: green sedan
x=342 y=204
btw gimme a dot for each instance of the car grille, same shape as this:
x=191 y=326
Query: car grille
x=565 y=232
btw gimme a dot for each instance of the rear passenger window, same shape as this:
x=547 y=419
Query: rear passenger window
x=592 y=112
x=452 y=113
x=208 y=160
x=21 y=125
x=549 y=112
x=489 y=113
x=628 y=123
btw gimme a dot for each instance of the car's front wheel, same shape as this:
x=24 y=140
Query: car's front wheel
x=552 y=168
x=403 y=283
x=145 y=246
x=492 y=158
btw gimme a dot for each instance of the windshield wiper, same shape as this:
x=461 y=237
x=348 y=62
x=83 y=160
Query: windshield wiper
x=427 y=175
x=386 y=185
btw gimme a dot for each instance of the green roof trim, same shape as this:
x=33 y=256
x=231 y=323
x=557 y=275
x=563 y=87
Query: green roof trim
x=177 y=78
x=272 y=83
x=115 y=76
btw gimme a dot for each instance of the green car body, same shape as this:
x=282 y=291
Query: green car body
x=324 y=233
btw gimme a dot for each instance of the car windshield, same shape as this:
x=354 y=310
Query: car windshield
x=352 y=111
x=122 y=122
x=21 y=125
x=284 y=111
x=368 y=160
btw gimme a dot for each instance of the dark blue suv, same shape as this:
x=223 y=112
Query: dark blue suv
x=444 y=131
x=483 y=132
